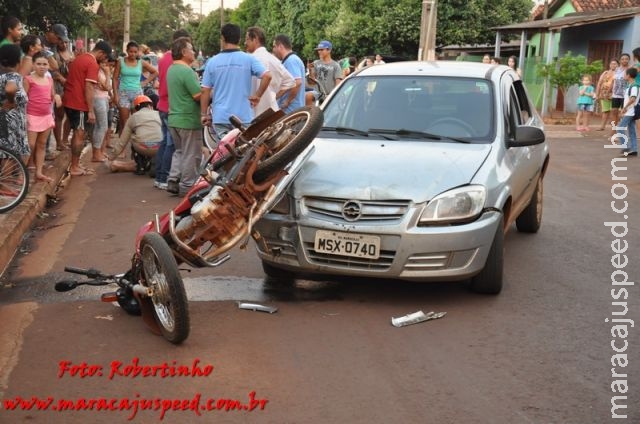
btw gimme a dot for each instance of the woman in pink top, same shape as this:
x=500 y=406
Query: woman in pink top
x=39 y=88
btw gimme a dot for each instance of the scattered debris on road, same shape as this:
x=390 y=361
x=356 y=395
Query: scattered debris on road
x=257 y=307
x=415 y=318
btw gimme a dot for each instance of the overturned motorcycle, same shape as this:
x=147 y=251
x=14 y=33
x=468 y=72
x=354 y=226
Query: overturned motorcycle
x=242 y=180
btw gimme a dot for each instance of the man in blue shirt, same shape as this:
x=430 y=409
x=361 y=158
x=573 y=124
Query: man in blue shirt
x=227 y=79
x=294 y=98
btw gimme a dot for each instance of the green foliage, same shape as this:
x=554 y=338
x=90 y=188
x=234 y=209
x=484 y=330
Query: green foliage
x=162 y=18
x=111 y=25
x=568 y=70
x=364 y=27
x=355 y=27
x=36 y=15
x=206 y=36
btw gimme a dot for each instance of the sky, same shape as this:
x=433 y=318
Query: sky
x=209 y=5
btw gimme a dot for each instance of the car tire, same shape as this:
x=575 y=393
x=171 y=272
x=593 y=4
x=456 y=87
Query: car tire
x=489 y=280
x=530 y=218
x=277 y=274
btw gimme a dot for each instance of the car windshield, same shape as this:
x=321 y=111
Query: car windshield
x=426 y=108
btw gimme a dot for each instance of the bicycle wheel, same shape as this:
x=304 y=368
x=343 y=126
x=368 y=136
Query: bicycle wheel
x=14 y=180
x=293 y=133
x=169 y=299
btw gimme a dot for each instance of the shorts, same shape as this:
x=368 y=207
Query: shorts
x=37 y=123
x=617 y=103
x=585 y=107
x=605 y=105
x=78 y=119
x=146 y=148
x=126 y=97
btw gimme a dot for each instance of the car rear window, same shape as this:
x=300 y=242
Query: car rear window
x=445 y=106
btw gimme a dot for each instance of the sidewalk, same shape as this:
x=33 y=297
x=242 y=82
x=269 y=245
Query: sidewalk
x=17 y=222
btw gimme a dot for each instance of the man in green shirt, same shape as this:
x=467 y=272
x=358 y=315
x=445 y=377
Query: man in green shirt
x=184 y=118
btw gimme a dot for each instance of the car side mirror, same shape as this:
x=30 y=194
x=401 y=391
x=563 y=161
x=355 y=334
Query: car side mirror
x=527 y=136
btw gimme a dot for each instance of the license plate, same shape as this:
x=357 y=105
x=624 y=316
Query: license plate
x=347 y=244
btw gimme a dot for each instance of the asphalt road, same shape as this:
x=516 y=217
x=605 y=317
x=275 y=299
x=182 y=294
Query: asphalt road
x=540 y=352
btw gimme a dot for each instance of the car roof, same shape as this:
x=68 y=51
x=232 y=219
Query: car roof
x=435 y=68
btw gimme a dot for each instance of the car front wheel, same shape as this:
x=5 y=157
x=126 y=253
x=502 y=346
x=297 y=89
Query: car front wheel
x=530 y=219
x=489 y=280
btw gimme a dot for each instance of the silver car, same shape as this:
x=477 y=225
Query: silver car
x=419 y=170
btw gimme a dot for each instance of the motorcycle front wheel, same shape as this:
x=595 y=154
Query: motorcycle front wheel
x=292 y=134
x=161 y=274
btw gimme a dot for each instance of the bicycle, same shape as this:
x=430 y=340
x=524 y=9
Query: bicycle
x=14 y=180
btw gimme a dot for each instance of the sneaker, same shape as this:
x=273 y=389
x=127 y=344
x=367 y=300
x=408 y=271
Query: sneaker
x=632 y=154
x=173 y=187
x=161 y=186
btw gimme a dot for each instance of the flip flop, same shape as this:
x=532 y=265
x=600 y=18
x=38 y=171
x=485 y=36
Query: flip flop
x=82 y=172
x=45 y=179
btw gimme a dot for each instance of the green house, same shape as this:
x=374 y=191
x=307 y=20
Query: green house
x=598 y=30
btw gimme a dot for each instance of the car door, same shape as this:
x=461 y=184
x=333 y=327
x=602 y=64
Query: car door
x=519 y=160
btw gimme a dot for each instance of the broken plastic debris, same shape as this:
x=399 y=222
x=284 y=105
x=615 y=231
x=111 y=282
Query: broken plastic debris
x=257 y=307
x=415 y=318
x=107 y=317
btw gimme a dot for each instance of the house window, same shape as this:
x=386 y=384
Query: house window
x=604 y=50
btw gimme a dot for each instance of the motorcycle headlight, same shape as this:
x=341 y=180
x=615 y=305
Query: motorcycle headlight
x=461 y=204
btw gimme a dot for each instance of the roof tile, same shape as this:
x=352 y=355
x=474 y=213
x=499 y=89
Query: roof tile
x=585 y=6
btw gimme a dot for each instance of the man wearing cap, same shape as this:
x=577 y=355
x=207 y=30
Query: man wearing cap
x=144 y=130
x=78 y=100
x=325 y=70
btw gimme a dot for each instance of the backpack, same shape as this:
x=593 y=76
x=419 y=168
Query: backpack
x=636 y=107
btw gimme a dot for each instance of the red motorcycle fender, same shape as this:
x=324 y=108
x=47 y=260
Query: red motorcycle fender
x=146 y=308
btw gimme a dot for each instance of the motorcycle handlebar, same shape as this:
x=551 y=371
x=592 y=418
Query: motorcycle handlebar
x=91 y=272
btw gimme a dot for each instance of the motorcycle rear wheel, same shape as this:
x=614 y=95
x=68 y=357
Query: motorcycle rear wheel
x=294 y=132
x=160 y=269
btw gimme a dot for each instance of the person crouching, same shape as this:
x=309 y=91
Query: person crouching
x=144 y=130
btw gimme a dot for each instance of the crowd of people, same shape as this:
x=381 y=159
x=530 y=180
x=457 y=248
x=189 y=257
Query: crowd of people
x=616 y=94
x=59 y=95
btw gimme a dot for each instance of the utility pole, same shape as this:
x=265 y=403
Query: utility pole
x=427 y=49
x=127 y=25
x=221 y=21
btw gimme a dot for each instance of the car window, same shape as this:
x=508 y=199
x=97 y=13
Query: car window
x=444 y=106
x=523 y=101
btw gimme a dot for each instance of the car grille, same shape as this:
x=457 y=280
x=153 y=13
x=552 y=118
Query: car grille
x=383 y=262
x=368 y=210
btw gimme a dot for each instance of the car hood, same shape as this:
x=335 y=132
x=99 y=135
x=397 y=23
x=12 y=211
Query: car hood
x=386 y=169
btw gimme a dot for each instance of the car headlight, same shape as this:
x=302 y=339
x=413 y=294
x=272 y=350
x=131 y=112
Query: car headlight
x=461 y=204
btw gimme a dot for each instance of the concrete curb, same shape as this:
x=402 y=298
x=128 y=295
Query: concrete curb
x=17 y=222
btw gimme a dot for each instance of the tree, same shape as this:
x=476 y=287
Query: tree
x=364 y=27
x=163 y=17
x=207 y=34
x=37 y=15
x=470 y=21
x=111 y=24
x=567 y=71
